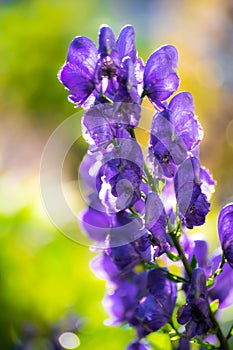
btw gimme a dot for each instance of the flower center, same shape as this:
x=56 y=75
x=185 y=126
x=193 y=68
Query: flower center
x=107 y=67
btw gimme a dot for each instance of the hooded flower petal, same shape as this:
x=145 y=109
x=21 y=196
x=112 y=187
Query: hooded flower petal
x=225 y=231
x=95 y=223
x=192 y=203
x=126 y=43
x=207 y=182
x=155 y=218
x=185 y=123
x=223 y=283
x=120 y=178
x=169 y=150
x=196 y=313
x=107 y=42
x=160 y=78
x=77 y=74
x=121 y=302
x=103 y=267
x=156 y=308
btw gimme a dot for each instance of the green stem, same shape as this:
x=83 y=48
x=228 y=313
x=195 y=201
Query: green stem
x=219 y=333
x=230 y=332
x=181 y=254
x=150 y=178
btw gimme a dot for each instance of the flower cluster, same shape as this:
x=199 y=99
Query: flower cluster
x=140 y=206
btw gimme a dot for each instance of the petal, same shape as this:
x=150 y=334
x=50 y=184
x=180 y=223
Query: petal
x=198 y=284
x=103 y=267
x=78 y=80
x=225 y=225
x=156 y=221
x=126 y=43
x=229 y=253
x=160 y=78
x=223 y=287
x=95 y=127
x=83 y=53
x=163 y=290
x=168 y=150
x=186 y=124
x=107 y=42
x=151 y=313
x=201 y=252
x=184 y=314
x=139 y=70
x=207 y=182
x=186 y=189
x=131 y=82
x=95 y=223
x=125 y=257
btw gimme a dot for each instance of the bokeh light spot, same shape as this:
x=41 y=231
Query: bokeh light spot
x=69 y=340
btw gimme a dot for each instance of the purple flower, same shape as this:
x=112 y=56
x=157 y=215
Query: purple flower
x=88 y=71
x=121 y=302
x=160 y=77
x=95 y=223
x=223 y=283
x=174 y=132
x=196 y=313
x=225 y=231
x=104 y=122
x=155 y=217
x=221 y=289
x=127 y=256
x=207 y=182
x=114 y=174
x=104 y=268
x=139 y=345
x=167 y=153
x=192 y=203
x=185 y=123
x=119 y=179
x=156 y=307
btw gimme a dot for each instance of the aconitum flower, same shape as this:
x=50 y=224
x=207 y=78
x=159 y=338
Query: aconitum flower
x=155 y=218
x=174 y=132
x=156 y=307
x=196 y=312
x=119 y=178
x=225 y=231
x=222 y=289
x=127 y=256
x=122 y=299
x=160 y=77
x=89 y=71
x=104 y=122
x=192 y=203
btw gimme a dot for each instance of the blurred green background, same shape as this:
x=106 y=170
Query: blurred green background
x=44 y=277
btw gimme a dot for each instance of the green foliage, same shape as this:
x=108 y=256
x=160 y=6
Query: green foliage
x=45 y=276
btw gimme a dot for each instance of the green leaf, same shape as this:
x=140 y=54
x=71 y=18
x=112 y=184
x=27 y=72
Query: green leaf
x=172 y=256
x=214 y=305
x=210 y=282
x=194 y=263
